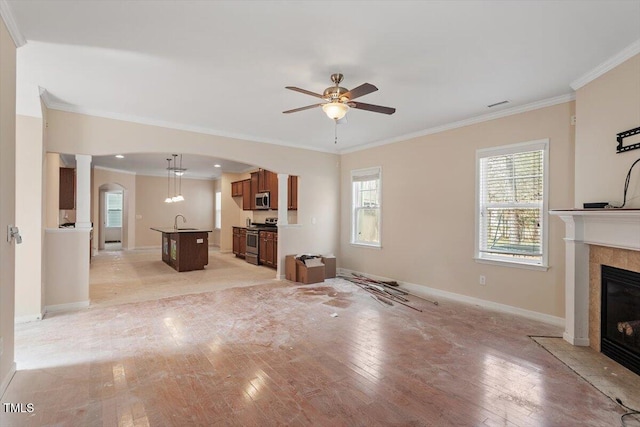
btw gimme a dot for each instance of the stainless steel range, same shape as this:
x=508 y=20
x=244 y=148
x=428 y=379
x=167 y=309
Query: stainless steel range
x=252 y=254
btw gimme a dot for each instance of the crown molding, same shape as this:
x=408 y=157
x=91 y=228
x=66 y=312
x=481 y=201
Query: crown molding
x=630 y=51
x=7 y=16
x=53 y=105
x=114 y=170
x=471 y=121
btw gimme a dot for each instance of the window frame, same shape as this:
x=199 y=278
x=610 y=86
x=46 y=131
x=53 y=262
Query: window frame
x=107 y=210
x=505 y=260
x=358 y=173
x=218 y=211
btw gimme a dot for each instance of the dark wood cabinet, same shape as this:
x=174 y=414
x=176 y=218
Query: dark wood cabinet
x=246 y=195
x=254 y=189
x=264 y=181
x=292 y=200
x=268 y=248
x=186 y=251
x=67 y=199
x=236 y=189
x=239 y=241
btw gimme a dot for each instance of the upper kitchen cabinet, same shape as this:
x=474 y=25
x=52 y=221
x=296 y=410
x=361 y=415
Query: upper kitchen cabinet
x=247 y=198
x=236 y=189
x=264 y=181
x=67 y=199
x=292 y=186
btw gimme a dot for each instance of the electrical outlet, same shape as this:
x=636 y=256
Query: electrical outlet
x=483 y=280
x=573 y=120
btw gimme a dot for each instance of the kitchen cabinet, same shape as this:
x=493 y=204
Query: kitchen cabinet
x=254 y=189
x=236 y=189
x=185 y=250
x=273 y=186
x=246 y=195
x=268 y=248
x=292 y=188
x=67 y=199
x=239 y=241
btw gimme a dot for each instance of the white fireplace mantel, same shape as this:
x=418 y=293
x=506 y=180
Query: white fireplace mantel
x=617 y=228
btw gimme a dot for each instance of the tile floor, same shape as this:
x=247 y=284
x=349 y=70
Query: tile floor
x=270 y=353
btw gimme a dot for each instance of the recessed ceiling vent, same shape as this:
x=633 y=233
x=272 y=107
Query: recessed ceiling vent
x=498 y=103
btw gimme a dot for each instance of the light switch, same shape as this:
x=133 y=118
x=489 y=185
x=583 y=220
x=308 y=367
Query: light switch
x=138 y=216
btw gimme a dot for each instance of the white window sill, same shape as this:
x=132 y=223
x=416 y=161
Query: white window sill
x=513 y=264
x=364 y=245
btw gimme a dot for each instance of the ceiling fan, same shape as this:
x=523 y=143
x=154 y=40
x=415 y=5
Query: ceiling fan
x=338 y=100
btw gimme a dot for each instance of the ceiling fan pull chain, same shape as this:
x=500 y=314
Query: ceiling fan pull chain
x=335 y=141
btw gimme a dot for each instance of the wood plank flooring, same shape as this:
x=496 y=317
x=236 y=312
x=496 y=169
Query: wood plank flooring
x=272 y=354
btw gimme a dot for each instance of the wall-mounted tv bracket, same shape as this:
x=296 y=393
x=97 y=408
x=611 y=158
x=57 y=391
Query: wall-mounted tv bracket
x=626 y=134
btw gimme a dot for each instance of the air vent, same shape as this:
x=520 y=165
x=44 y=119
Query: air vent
x=498 y=103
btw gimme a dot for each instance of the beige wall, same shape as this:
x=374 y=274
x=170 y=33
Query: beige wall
x=152 y=211
x=104 y=177
x=428 y=205
x=232 y=213
x=29 y=286
x=66 y=268
x=7 y=196
x=52 y=189
x=605 y=107
x=319 y=172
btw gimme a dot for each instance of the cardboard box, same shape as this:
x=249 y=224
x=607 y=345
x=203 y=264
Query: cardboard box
x=310 y=273
x=329 y=267
x=290 y=268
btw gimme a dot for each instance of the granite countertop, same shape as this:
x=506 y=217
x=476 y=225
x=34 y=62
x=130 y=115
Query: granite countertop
x=181 y=230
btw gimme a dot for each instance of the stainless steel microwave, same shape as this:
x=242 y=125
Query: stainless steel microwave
x=262 y=201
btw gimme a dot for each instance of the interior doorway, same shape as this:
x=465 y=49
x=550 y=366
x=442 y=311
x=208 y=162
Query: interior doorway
x=112 y=221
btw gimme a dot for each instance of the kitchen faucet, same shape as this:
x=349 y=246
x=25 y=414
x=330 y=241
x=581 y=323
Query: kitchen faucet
x=175 y=221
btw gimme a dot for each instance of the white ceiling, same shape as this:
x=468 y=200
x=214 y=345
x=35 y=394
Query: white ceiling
x=221 y=66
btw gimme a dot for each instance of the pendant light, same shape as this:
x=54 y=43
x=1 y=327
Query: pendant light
x=168 y=199
x=179 y=172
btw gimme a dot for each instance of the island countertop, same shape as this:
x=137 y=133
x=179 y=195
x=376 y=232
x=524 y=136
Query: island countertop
x=170 y=230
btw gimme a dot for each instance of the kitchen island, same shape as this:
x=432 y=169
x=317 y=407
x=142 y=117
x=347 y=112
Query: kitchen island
x=185 y=249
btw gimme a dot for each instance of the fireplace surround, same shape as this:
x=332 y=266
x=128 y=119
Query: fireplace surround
x=606 y=236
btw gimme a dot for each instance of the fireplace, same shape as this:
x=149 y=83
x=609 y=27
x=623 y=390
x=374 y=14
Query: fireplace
x=620 y=316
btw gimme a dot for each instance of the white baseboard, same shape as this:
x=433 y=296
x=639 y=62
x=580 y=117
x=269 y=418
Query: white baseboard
x=6 y=380
x=427 y=292
x=144 y=248
x=72 y=306
x=226 y=251
x=575 y=341
x=29 y=318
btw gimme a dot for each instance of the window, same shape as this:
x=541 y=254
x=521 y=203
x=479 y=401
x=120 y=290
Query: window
x=218 y=209
x=511 y=196
x=366 y=206
x=114 y=209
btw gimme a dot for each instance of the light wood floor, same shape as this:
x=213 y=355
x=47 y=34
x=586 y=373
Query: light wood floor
x=240 y=348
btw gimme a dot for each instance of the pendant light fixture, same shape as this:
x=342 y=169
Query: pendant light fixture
x=168 y=199
x=178 y=171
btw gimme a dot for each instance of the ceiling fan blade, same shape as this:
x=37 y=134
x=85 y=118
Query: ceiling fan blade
x=371 y=107
x=308 y=107
x=361 y=90
x=297 y=89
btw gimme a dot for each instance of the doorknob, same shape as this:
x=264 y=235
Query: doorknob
x=13 y=233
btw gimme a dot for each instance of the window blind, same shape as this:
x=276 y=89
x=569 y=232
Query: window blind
x=511 y=204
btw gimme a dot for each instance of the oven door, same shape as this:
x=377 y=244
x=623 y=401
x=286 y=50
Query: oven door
x=252 y=247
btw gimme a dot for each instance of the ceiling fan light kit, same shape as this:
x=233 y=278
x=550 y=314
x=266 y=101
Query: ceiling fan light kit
x=339 y=100
x=335 y=110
